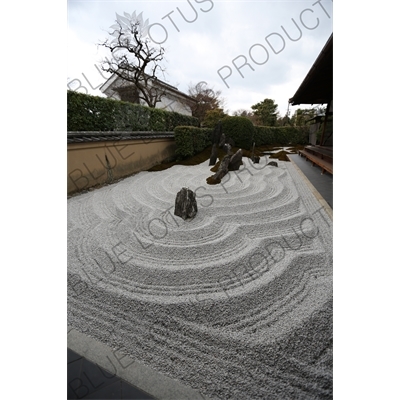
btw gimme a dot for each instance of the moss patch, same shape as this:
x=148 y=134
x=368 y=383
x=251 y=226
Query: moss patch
x=216 y=166
x=295 y=149
x=206 y=153
x=280 y=155
x=195 y=160
x=212 y=181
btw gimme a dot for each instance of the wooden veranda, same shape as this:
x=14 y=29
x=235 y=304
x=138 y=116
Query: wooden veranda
x=317 y=88
x=321 y=156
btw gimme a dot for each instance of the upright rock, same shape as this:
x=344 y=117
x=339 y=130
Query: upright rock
x=222 y=171
x=236 y=161
x=222 y=141
x=254 y=158
x=214 y=155
x=216 y=137
x=227 y=148
x=185 y=204
x=230 y=141
x=228 y=163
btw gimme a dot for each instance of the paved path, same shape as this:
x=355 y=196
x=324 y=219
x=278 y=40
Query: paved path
x=87 y=380
x=323 y=183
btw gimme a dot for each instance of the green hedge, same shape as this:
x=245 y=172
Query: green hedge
x=282 y=135
x=191 y=141
x=93 y=113
x=240 y=129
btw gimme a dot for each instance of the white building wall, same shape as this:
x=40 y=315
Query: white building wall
x=172 y=103
x=167 y=103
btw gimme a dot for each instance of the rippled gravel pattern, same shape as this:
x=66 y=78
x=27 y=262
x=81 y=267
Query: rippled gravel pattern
x=236 y=303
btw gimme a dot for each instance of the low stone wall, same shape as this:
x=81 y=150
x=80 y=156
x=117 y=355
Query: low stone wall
x=95 y=158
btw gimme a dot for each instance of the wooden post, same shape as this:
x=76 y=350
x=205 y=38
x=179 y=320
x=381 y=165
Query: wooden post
x=321 y=142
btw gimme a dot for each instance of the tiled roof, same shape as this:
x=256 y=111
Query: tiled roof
x=98 y=136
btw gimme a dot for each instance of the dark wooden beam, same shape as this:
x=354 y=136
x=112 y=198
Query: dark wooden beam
x=321 y=142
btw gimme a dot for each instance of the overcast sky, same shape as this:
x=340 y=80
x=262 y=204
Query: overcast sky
x=239 y=47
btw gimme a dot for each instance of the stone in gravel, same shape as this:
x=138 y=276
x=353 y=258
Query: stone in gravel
x=273 y=163
x=185 y=204
x=227 y=148
x=216 y=137
x=214 y=154
x=230 y=141
x=222 y=141
x=223 y=169
x=236 y=161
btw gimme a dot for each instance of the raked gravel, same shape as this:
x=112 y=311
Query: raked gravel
x=236 y=303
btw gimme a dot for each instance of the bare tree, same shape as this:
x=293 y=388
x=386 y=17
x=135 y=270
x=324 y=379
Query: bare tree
x=135 y=60
x=206 y=99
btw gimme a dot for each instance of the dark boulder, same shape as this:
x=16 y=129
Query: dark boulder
x=222 y=171
x=216 y=137
x=222 y=141
x=227 y=148
x=214 y=155
x=185 y=204
x=230 y=141
x=236 y=161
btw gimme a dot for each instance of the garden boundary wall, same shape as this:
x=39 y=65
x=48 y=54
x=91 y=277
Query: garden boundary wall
x=98 y=158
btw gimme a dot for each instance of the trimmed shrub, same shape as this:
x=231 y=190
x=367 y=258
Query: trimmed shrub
x=183 y=141
x=240 y=129
x=89 y=113
x=280 y=135
x=174 y=119
x=264 y=135
x=130 y=117
x=190 y=140
x=93 y=113
x=157 y=120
